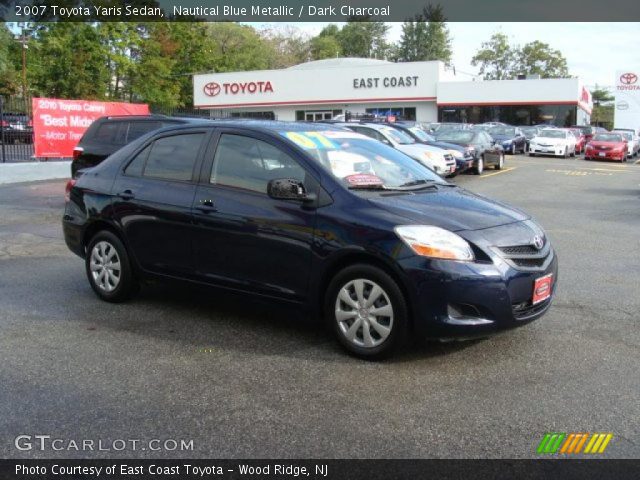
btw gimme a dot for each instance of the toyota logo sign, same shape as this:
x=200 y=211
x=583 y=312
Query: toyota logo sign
x=538 y=242
x=211 y=89
x=628 y=78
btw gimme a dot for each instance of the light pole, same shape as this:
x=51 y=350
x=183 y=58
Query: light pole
x=22 y=38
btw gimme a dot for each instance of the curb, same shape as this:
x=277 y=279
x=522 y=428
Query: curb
x=33 y=171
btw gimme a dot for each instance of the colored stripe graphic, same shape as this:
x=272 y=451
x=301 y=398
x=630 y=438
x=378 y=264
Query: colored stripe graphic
x=551 y=442
x=573 y=443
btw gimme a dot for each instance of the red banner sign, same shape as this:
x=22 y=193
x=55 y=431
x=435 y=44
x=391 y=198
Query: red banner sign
x=58 y=125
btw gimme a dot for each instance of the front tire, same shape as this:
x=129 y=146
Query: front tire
x=109 y=269
x=500 y=164
x=367 y=311
x=479 y=166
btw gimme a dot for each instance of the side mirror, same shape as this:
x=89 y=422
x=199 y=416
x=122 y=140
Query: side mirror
x=288 y=189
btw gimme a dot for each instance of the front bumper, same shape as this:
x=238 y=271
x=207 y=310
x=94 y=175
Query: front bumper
x=551 y=150
x=605 y=155
x=465 y=300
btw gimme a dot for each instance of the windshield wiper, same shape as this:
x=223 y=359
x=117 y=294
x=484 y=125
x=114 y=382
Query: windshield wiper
x=417 y=185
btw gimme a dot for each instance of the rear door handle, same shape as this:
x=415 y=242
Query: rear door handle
x=126 y=195
x=206 y=206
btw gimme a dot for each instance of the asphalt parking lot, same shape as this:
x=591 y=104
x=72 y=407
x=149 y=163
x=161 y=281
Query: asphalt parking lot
x=247 y=379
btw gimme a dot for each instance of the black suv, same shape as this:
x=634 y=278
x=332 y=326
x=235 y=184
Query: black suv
x=108 y=134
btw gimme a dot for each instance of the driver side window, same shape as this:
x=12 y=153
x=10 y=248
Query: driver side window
x=249 y=163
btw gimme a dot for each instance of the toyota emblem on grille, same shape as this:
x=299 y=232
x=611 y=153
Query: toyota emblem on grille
x=538 y=242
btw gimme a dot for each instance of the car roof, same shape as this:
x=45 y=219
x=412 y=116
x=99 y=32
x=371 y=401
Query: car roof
x=267 y=126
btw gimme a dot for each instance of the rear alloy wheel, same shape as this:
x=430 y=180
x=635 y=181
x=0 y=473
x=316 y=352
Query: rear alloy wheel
x=108 y=268
x=367 y=311
x=479 y=166
x=500 y=164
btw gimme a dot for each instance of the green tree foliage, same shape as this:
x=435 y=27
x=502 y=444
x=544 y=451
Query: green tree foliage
x=288 y=45
x=538 y=58
x=68 y=60
x=499 y=60
x=496 y=58
x=361 y=38
x=9 y=82
x=425 y=38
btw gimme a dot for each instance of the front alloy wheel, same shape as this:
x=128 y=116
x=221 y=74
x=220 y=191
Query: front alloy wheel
x=367 y=311
x=480 y=165
x=500 y=164
x=364 y=313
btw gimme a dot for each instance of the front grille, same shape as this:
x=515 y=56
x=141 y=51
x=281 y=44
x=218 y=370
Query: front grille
x=525 y=257
x=522 y=311
x=601 y=147
x=519 y=250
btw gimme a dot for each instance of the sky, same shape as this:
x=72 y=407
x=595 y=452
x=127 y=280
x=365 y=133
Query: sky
x=594 y=51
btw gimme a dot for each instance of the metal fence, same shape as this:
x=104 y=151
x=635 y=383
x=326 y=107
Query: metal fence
x=16 y=126
x=16 y=129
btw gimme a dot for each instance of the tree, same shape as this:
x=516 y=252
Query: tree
x=361 y=38
x=496 y=58
x=538 y=58
x=425 y=38
x=120 y=40
x=288 y=45
x=603 y=108
x=70 y=61
x=325 y=47
x=9 y=83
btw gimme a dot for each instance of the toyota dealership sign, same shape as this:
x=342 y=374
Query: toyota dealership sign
x=388 y=82
x=627 y=111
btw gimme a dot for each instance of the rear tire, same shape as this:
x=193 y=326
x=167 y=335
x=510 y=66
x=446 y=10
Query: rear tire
x=367 y=311
x=500 y=164
x=108 y=268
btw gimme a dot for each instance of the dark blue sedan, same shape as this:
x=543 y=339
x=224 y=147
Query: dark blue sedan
x=511 y=139
x=373 y=242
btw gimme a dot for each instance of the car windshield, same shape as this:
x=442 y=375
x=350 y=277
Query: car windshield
x=456 y=136
x=552 y=133
x=362 y=162
x=626 y=135
x=397 y=136
x=507 y=131
x=607 y=137
x=421 y=134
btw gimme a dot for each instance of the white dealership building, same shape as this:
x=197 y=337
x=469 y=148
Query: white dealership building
x=421 y=91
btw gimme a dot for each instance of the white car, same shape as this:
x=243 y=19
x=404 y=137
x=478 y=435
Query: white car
x=633 y=143
x=437 y=159
x=553 y=141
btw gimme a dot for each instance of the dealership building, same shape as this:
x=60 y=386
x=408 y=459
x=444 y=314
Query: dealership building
x=421 y=91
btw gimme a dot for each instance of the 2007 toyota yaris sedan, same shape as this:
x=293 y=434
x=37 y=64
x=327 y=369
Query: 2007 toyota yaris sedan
x=378 y=244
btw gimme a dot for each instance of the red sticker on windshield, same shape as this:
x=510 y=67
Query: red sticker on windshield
x=363 y=179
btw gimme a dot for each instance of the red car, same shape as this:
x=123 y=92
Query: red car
x=606 y=146
x=581 y=139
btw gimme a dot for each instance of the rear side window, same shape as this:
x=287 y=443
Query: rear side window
x=137 y=129
x=173 y=158
x=250 y=164
x=136 y=165
x=108 y=133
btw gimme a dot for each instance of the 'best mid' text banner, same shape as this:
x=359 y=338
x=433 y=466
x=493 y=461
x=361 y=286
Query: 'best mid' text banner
x=58 y=125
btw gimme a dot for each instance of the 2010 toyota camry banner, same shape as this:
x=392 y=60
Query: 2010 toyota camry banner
x=58 y=125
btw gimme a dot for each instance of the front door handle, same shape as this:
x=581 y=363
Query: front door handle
x=206 y=206
x=127 y=195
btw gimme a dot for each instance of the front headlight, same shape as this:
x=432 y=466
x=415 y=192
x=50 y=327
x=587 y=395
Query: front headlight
x=435 y=242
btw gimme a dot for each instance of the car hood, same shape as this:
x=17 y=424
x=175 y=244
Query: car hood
x=447 y=145
x=607 y=144
x=451 y=208
x=502 y=138
x=417 y=149
x=549 y=141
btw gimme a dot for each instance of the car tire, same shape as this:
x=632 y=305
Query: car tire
x=513 y=149
x=500 y=164
x=108 y=268
x=479 y=166
x=566 y=152
x=573 y=154
x=357 y=330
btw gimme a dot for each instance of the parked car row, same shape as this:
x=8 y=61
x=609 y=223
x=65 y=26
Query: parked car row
x=16 y=127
